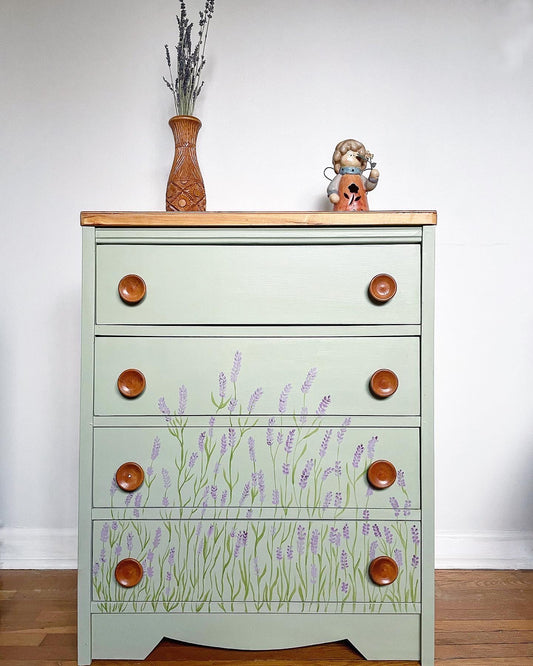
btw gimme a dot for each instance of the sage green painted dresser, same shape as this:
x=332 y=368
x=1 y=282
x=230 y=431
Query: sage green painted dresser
x=256 y=459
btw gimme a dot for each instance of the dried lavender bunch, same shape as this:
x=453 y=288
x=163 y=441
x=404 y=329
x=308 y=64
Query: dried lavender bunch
x=186 y=85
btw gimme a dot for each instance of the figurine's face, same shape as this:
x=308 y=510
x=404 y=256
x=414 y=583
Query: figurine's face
x=350 y=158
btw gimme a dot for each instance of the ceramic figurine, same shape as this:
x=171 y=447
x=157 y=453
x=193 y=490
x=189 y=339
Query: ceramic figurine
x=347 y=190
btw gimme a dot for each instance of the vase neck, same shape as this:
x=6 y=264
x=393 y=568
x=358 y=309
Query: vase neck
x=185 y=129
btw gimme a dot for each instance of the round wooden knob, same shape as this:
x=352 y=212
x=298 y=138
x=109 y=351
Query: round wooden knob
x=132 y=289
x=383 y=570
x=383 y=383
x=129 y=476
x=128 y=572
x=131 y=383
x=382 y=288
x=381 y=474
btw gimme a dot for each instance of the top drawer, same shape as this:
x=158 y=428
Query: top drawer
x=258 y=284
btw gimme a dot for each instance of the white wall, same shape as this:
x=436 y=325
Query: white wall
x=441 y=92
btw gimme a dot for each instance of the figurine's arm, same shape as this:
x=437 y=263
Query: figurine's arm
x=333 y=189
x=372 y=180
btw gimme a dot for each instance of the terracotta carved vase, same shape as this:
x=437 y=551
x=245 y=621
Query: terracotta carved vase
x=185 y=187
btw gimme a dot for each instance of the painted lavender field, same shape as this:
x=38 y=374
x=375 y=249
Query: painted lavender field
x=265 y=498
x=256 y=566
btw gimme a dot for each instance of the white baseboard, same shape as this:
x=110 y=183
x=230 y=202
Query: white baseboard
x=484 y=550
x=22 y=548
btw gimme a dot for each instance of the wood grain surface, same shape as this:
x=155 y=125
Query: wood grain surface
x=484 y=618
x=256 y=219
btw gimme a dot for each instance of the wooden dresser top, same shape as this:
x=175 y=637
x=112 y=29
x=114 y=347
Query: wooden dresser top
x=258 y=219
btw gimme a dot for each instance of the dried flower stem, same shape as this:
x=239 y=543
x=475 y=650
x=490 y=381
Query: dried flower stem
x=186 y=85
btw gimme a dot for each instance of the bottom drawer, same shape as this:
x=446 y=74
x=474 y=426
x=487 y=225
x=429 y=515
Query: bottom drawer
x=256 y=566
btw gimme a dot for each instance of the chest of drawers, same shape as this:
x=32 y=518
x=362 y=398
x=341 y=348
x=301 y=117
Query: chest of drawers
x=256 y=466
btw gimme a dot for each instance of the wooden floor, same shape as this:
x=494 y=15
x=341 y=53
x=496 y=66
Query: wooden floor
x=484 y=618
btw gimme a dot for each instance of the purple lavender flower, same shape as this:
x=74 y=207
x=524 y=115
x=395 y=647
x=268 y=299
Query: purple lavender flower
x=338 y=500
x=163 y=408
x=114 y=487
x=96 y=568
x=231 y=405
x=290 y=552
x=118 y=550
x=334 y=536
x=223 y=445
x=323 y=405
x=398 y=557
x=129 y=542
x=261 y=485
x=346 y=531
x=245 y=493
x=150 y=556
x=407 y=508
x=149 y=571
x=283 y=398
x=211 y=424
x=171 y=556
x=149 y=470
x=114 y=526
x=102 y=556
x=372 y=447
x=275 y=497
x=373 y=548
x=254 y=479
x=415 y=535
x=314 y=541
x=224 y=498
x=415 y=561
x=165 y=501
x=327 y=472
x=325 y=442
x=279 y=553
x=388 y=534
x=376 y=530
x=344 y=560
x=249 y=514
x=193 y=459
x=270 y=432
x=285 y=468
x=401 y=478
x=138 y=500
x=222 y=385
x=157 y=538
x=344 y=588
x=366 y=529
x=342 y=432
x=236 y=366
x=366 y=514
x=279 y=437
x=327 y=499
x=369 y=491
x=166 y=477
x=313 y=576
x=357 y=455
x=182 y=399
x=303 y=415
x=104 y=534
x=256 y=566
x=251 y=449
x=128 y=499
x=338 y=468
x=155 y=448
x=201 y=546
x=311 y=376
x=198 y=528
x=289 y=442
x=232 y=437
x=306 y=472
x=302 y=535
x=254 y=398
x=201 y=441
x=214 y=491
x=394 y=503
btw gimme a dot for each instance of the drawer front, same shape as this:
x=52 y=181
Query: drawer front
x=304 y=377
x=323 y=470
x=266 y=564
x=262 y=284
